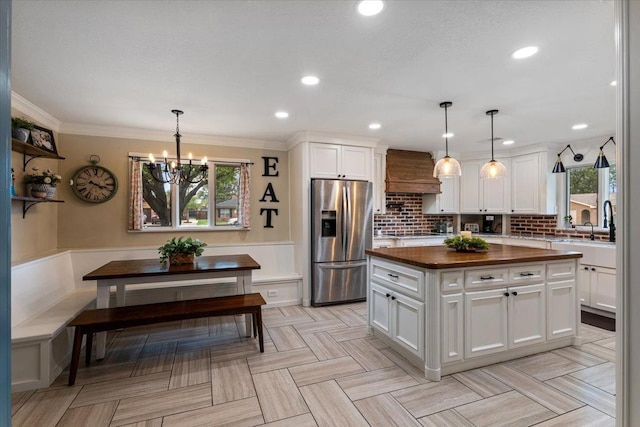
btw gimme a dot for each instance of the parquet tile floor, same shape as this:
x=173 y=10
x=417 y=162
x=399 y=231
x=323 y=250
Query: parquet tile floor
x=319 y=368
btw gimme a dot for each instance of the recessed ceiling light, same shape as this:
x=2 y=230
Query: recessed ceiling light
x=613 y=83
x=375 y=126
x=370 y=7
x=447 y=135
x=282 y=114
x=508 y=142
x=525 y=52
x=310 y=80
x=579 y=126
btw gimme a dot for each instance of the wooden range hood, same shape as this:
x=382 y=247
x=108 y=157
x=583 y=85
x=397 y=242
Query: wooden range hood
x=410 y=172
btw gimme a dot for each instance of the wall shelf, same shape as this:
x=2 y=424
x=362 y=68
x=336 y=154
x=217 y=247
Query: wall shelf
x=30 y=152
x=27 y=202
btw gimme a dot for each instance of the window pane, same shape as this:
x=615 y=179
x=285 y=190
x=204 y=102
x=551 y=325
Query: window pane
x=583 y=194
x=613 y=191
x=227 y=190
x=156 y=196
x=193 y=199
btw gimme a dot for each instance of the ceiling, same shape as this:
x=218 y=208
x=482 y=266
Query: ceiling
x=230 y=65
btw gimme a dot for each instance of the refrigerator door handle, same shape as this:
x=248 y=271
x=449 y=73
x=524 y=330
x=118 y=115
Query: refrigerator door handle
x=344 y=224
x=349 y=222
x=331 y=266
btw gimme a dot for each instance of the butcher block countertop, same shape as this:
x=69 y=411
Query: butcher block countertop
x=438 y=257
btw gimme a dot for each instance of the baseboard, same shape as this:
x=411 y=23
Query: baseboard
x=599 y=321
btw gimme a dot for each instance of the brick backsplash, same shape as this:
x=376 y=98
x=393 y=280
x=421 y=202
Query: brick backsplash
x=404 y=216
x=546 y=225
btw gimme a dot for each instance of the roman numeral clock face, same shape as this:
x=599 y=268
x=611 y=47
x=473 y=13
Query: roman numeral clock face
x=94 y=184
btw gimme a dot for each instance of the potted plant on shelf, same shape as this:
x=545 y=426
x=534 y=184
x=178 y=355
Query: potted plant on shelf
x=181 y=251
x=42 y=185
x=567 y=221
x=21 y=128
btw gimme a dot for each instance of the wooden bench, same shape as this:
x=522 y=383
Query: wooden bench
x=91 y=321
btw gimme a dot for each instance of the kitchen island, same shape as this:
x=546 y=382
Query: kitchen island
x=450 y=311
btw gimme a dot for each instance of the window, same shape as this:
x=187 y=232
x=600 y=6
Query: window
x=587 y=190
x=189 y=205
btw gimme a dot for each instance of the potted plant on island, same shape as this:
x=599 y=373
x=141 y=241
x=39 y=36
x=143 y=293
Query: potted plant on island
x=466 y=244
x=181 y=251
x=567 y=221
x=21 y=128
x=42 y=185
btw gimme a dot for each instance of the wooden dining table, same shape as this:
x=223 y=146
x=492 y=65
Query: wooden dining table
x=133 y=272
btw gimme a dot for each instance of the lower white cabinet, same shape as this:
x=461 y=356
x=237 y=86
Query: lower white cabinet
x=597 y=287
x=499 y=319
x=561 y=307
x=452 y=327
x=399 y=317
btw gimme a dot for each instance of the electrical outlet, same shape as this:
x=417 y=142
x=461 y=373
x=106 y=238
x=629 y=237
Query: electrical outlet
x=272 y=293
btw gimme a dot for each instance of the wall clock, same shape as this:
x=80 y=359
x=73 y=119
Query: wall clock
x=93 y=183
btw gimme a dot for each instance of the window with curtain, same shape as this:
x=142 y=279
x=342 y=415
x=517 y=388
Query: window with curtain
x=219 y=201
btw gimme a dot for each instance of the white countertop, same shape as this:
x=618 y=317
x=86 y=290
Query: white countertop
x=509 y=236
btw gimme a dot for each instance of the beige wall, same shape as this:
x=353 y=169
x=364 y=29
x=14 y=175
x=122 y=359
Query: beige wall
x=86 y=225
x=36 y=234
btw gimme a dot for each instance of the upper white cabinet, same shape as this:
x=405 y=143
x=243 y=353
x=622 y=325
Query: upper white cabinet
x=379 y=195
x=483 y=195
x=447 y=201
x=532 y=186
x=333 y=161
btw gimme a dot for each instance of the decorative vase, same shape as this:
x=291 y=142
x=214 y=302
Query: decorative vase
x=43 y=191
x=20 y=134
x=177 y=259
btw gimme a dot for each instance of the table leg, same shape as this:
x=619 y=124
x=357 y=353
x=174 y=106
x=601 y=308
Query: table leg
x=120 y=296
x=102 y=301
x=244 y=287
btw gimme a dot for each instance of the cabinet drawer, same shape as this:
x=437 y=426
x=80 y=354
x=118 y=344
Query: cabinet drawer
x=383 y=243
x=398 y=277
x=527 y=274
x=561 y=270
x=452 y=280
x=486 y=278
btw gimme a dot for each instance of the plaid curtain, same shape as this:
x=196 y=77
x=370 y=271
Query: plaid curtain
x=135 y=195
x=245 y=196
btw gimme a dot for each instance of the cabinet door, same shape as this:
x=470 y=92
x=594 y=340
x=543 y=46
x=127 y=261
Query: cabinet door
x=494 y=195
x=452 y=327
x=470 y=196
x=485 y=322
x=584 y=285
x=449 y=198
x=356 y=162
x=561 y=309
x=525 y=184
x=527 y=316
x=379 y=308
x=379 y=196
x=324 y=161
x=603 y=288
x=407 y=326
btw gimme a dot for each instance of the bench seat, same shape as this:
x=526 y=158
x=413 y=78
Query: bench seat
x=99 y=320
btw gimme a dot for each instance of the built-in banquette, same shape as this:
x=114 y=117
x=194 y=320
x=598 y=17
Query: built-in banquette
x=448 y=311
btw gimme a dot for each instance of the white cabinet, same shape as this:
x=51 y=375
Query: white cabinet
x=452 y=327
x=399 y=317
x=379 y=196
x=500 y=319
x=561 y=307
x=383 y=243
x=525 y=184
x=482 y=195
x=428 y=241
x=584 y=285
x=601 y=285
x=447 y=201
x=332 y=161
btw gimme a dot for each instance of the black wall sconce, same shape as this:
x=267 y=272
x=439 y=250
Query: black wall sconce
x=601 y=161
x=559 y=167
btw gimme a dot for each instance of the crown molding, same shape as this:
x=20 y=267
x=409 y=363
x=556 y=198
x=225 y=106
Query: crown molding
x=34 y=112
x=330 y=138
x=154 y=135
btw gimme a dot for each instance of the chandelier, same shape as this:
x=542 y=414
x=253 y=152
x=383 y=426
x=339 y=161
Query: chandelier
x=174 y=172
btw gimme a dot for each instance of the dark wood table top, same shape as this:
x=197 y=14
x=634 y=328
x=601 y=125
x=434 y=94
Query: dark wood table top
x=152 y=267
x=438 y=257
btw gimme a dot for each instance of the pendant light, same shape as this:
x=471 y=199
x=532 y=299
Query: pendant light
x=559 y=167
x=447 y=167
x=601 y=161
x=493 y=168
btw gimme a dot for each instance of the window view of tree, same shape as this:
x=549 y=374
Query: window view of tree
x=583 y=194
x=227 y=191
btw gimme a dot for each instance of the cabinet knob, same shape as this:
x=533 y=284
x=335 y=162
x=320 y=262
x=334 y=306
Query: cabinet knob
x=512 y=210
x=593 y=269
x=514 y=293
x=586 y=268
x=388 y=295
x=506 y=294
x=393 y=298
x=441 y=210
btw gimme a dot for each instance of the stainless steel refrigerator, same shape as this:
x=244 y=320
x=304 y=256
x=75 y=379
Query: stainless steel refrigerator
x=341 y=223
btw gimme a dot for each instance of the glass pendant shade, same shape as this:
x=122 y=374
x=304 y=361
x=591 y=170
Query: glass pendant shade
x=493 y=169
x=558 y=167
x=447 y=167
x=601 y=161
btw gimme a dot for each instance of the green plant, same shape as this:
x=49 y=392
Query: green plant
x=180 y=246
x=462 y=244
x=20 y=123
x=567 y=218
x=46 y=177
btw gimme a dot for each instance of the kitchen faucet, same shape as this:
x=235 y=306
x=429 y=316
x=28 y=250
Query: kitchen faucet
x=612 y=226
x=591 y=236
